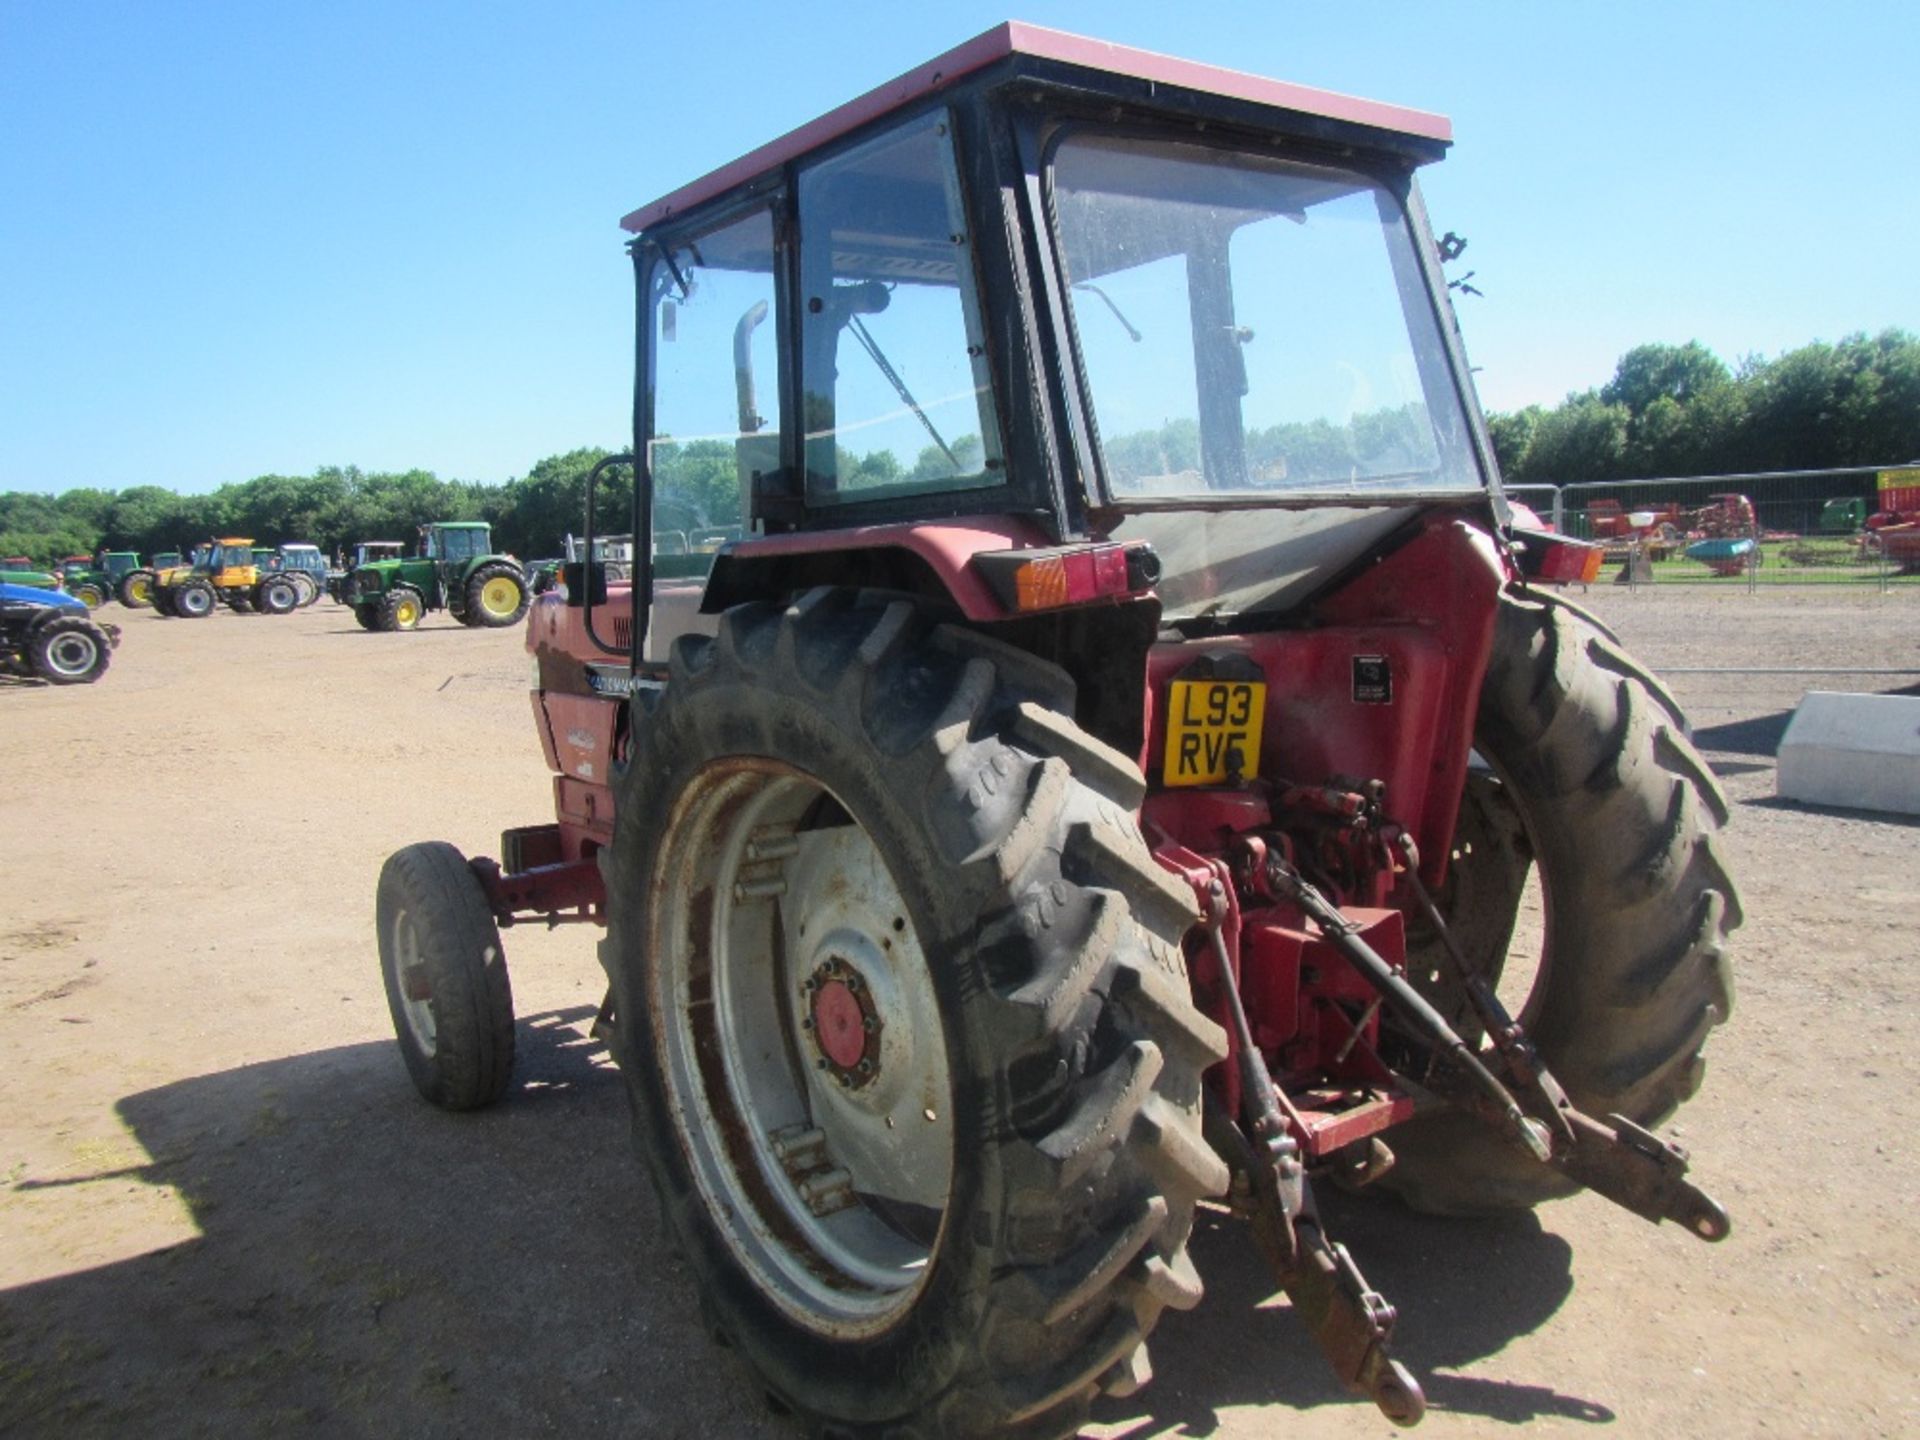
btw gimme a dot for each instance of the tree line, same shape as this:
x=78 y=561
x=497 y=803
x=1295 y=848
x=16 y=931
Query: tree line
x=1676 y=410
x=334 y=508
x=1669 y=410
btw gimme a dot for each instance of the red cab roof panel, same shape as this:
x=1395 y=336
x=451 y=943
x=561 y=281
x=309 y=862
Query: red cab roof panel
x=1015 y=37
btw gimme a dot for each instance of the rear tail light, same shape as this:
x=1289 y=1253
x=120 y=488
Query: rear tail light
x=1556 y=559
x=1033 y=580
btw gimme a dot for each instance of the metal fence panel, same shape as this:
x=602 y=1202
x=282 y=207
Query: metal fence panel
x=1785 y=528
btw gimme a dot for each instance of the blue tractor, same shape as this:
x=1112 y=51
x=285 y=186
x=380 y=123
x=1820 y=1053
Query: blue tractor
x=47 y=634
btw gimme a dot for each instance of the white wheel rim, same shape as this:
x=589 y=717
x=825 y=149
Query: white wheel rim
x=826 y=1159
x=72 y=654
x=410 y=982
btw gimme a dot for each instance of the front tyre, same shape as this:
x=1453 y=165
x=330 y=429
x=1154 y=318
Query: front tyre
x=68 y=650
x=1596 y=786
x=193 y=600
x=402 y=609
x=496 y=595
x=446 y=977
x=905 y=1021
x=90 y=593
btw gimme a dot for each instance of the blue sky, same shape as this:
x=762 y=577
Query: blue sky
x=246 y=238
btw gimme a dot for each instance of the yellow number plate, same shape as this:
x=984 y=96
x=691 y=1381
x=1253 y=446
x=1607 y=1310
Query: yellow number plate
x=1207 y=721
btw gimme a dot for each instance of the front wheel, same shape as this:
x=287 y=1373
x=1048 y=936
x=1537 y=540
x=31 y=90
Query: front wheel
x=90 y=594
x=68 y=650
x=402 y=609
x=194 y=600
x=496 y=595
x=446 y=977
x=1595 y=789
x=903 y=1012
x=136 y=589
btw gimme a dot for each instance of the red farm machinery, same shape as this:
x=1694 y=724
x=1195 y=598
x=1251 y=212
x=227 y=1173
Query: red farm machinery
x=1101 y=778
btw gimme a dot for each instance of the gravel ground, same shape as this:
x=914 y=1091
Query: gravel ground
x=223 y=1210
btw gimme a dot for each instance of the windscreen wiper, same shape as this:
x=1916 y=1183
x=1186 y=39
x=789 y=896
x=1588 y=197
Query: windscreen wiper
x=867 y=343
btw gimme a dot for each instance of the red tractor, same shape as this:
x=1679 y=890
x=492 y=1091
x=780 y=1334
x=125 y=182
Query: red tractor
x=1102 y=774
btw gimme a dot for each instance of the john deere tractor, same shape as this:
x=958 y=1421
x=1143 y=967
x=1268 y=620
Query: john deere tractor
x=456 y=570
x=92 y=581
x=225 y=572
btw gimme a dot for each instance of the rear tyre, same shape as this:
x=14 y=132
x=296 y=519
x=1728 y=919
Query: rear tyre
x=1596 y=784
x=905 y=1022
x=68 y=650
x=446 y=977
x=276 y=596
x=136 y=589
x=496 y=595
x=401 y=609
x=193 y=600
x=305 y=591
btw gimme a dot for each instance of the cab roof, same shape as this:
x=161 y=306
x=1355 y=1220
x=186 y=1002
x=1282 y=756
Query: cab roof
x=1016 y=39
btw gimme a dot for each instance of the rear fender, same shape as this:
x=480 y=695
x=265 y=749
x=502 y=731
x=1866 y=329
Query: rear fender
x=928 y=559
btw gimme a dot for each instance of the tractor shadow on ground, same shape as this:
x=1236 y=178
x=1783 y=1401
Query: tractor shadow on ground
x=1463 y=1289
x=359 y=1263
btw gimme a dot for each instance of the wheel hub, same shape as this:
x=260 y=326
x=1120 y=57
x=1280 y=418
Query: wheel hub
x=843 y=1022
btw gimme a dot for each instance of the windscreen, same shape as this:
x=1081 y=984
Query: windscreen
x=1252 y=326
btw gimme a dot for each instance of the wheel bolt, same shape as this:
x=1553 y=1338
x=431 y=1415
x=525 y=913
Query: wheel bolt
x=866 y=1067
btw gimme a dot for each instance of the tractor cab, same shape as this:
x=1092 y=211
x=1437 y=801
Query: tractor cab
x=232 y=561
x=456 y=543
x=1076 y=294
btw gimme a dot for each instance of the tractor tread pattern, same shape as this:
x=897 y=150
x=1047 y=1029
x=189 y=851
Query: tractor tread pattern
x=1623 y=814
x=1093 y=1045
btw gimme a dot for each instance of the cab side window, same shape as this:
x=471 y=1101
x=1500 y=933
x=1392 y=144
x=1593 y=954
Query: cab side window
x=714 y=375
x=898 y=399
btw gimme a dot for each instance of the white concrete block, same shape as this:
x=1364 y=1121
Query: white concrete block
x=1860 y=752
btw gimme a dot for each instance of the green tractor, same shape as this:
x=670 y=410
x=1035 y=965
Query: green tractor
x=94 y=582
x=456 y=570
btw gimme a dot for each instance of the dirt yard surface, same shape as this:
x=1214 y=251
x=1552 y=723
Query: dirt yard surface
x=224 y=1211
